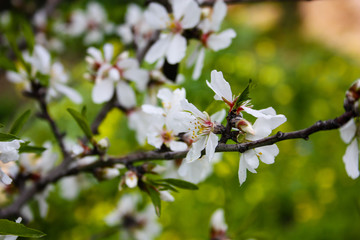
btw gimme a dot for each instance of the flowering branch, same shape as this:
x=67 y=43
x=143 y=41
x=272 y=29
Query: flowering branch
x=212 y=2
x=60 y=172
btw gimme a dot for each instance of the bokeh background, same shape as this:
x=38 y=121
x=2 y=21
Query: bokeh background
x=302 y=57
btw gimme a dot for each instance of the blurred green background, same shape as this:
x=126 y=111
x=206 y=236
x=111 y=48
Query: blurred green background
x=306 y=194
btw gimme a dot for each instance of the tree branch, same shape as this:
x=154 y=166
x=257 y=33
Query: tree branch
x=60 y=172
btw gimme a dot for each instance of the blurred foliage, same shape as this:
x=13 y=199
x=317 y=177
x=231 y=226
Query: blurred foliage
x=306 y=194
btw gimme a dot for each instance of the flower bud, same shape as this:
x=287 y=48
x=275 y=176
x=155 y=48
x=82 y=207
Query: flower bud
x=244 y=126
x=352 y=95
x=131 y=179
x=166 y=196
x=103 y=144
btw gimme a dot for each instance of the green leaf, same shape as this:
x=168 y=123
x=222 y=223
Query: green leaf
x=180 y=183
x=243 y=96
x=7 y=64
x=4 y=137
x=24 y=148
x=29 y=35
x=43 y=78
x=164 y=186
x=82 y=122
x=12 y=228
x=155 y=198
x=83 y=111
x=19 y=123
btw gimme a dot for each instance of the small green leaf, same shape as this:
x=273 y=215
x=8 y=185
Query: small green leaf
x=165 y=186
x=83 y=111
x=155 y=198
x=19 y=123
x=7 y=64
x=29 y=35
x=24 y=148
x=4 y=137
x=43 y=79
x=82 y=122
x=12 y=228
x=180 y=183
x=243 y=96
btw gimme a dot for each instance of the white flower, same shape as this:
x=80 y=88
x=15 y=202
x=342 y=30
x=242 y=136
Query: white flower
x=110 y=78
x=217 y=221
x=9 y=151
x=262 y=127
x=351 y=157
x=144 y=223
x=196 y=171
x=136 y=28
x=210 y=38
x=172 y=45
x=200 y=133
x=40 y=62
x=166 y=196
x=131 y=179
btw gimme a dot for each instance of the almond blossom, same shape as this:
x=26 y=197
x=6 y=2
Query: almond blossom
x=143 y=225
x=263 y=126
x=201 y=132
x=92 y=22
x=135 y=29
x=210 y=37
x=9 y=152
x=348 y=134
x=171 y=44
x=111 y=77
x=218 y=225
x=40 y=62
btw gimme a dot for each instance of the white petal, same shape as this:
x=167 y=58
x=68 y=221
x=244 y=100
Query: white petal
x=95 y=53
x=108 y=52
x=195 y=149
x=218 y=41
x=347 y=132
x=14 y=77
x=262 y=129
x=191 y=14
x=41 y=59
x=267 y=154
x=199 y=64
x=103 y=91
x=176 y=50
x=351 y=159
x=114 y=74
x=191 y=108
x=195 y=171
x=251 y=159
x=69 y=92
x=218 y=116
x=139 y=76
x=242 y=170
x=158 y=49
x=178 y=146
x=166 y=196
x=155 y=139
x=219 y=12
x=218 y=220
x=128 y=63
x=211 y=144
x=147 y=108
x=5 y=178
x=125 y=95
x=220 y=86
x=157 y=16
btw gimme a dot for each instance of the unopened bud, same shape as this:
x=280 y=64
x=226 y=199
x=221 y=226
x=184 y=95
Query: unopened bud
x=352 y=95
x=103 y=144
x=244 y=126
x=131 y=179
x=166 y=196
